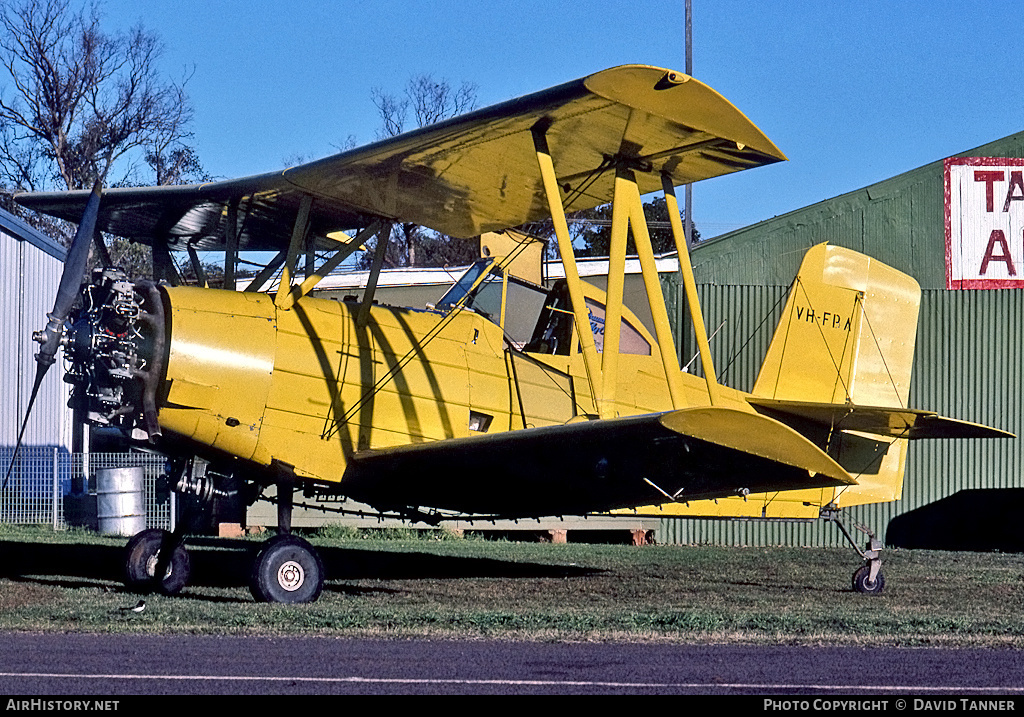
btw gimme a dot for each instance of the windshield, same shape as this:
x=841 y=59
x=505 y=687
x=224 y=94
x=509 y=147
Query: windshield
x=522 y=300
x=461 y=287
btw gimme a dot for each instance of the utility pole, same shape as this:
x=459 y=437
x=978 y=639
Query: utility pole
x=688 y=199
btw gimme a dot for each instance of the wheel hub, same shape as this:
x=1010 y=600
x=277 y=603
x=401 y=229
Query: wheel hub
x=151 y=567
x=290 y=576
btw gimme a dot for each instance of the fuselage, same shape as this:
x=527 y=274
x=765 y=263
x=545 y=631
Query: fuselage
x=308 y=387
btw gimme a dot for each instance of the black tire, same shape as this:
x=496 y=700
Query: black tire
x=141 y=556
x=287 y=570
x=862 y=581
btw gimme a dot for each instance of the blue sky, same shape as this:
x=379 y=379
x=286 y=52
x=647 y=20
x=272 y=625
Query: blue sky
x=852 y=92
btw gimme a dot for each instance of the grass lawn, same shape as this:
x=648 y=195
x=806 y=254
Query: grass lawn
x=472 y=588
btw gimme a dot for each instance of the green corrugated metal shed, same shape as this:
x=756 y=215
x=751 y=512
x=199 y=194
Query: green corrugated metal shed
x=968 y=359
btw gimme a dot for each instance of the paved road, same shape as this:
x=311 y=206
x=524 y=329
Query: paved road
x=34 y=664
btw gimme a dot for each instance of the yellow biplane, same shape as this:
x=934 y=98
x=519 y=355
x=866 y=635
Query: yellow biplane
x=506 y=398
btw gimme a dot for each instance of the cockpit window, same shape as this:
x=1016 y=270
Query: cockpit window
x=523 y=301
x=486 y=298
x=461 y=287
x=534 y=319
x=631 y=341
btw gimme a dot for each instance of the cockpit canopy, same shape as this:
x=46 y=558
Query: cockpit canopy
x=535 y=319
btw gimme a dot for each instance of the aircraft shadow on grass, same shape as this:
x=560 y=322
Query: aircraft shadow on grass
x=227 y=563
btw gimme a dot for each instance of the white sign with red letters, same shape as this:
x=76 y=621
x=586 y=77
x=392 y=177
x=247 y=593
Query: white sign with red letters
x=984 y=223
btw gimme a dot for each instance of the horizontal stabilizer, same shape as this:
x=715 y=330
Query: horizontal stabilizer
x=878 y=421
x=757 y=435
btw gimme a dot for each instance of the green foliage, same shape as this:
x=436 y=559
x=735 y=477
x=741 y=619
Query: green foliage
x=594 y=231
x=343 y=533
x=136 y=259
x=413 y=245
x=590 y=230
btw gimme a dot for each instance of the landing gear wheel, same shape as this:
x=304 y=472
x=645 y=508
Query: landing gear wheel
x=862 y=582
x=142 y=555
x=287 y=570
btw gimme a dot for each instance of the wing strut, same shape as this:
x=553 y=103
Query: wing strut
x=690 y=286
x=197 y=266
x=260 y=280
x=231 y=244
x=613 y=299
x=629 y=200
x=572 y=276
x=301 y=227
x=627 y=213
x=383 y=236
x=342 y=252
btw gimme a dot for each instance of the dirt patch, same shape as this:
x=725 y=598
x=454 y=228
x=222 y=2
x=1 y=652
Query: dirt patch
x=14 y=595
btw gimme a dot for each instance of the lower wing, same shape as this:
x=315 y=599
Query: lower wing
x=598 y=465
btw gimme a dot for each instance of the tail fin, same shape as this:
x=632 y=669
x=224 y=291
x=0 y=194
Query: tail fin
x=846 y=338
x=846 y=335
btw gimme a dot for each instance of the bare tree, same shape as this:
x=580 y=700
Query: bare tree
x=175 y=163
x=393 y=112
x=81 y=102
x=430 y=101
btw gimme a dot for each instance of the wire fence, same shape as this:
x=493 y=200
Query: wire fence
x=39 y=488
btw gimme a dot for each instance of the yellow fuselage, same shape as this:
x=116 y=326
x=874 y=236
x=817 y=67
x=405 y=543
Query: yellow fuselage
x=307 y=387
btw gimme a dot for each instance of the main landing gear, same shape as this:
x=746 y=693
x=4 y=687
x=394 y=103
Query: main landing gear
x=287 y=569
x=868 y=578
x=154 y=553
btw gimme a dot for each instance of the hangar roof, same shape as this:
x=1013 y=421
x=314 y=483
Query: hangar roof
x=900 y=221
x=21 y=231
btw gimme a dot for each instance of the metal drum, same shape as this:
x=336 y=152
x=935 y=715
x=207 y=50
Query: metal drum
x=120 y=501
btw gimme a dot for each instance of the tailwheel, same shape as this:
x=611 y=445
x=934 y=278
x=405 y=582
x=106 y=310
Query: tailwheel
x=154 y=552
x=287 y=570
x=866 y=583
x=867 y=579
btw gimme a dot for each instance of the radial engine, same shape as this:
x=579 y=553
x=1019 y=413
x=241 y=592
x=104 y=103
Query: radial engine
x=116 y=353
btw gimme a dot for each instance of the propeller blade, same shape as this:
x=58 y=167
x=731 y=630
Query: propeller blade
x=41 y=369
x=75 y=266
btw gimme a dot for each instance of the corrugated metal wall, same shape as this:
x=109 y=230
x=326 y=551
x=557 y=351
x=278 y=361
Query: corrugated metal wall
x=967 y=365
x=28 y=283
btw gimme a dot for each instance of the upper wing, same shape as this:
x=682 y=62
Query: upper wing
x=593 y=466
x=465 y=176
x=196 y=214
